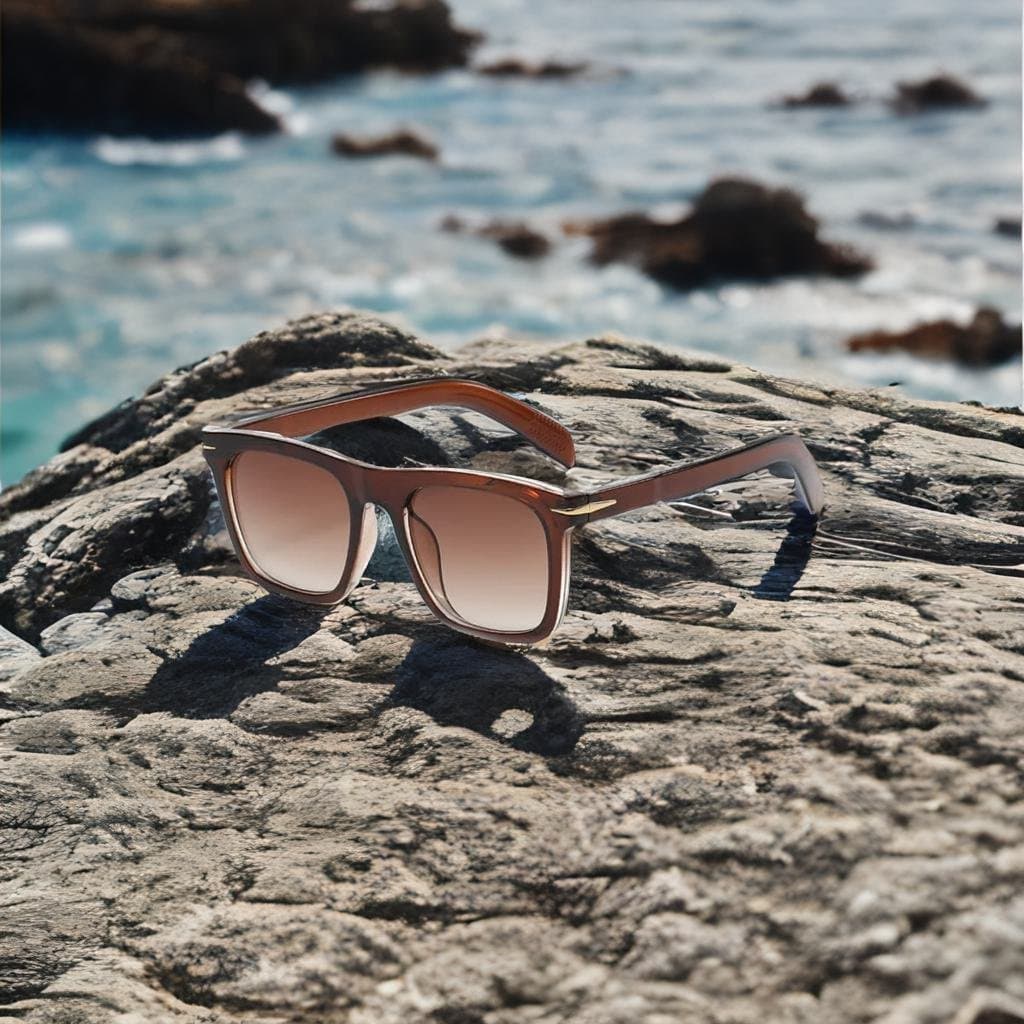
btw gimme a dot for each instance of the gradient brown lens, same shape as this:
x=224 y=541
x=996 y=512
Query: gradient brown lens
x=483 y=555
x=293 y=518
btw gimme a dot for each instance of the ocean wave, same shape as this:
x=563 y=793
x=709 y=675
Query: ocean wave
x=226 y=148
x=43 y=236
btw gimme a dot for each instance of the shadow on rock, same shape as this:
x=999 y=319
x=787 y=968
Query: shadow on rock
x=227 y=664
x=460 y=682
x=778 y=583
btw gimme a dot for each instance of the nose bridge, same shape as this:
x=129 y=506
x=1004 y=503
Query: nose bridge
x=386 y=489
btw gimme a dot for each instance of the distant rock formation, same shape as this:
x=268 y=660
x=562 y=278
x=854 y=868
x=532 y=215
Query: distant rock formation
x=516 y=237
x=404 y=142
x=516 y=67
x=824 y=94
x=986 y=341
x=940 y=92
x=737 y=229
x=174 y=67
x=1009 y=226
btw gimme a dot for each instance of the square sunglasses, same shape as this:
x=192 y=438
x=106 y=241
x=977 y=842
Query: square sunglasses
x=488 y=552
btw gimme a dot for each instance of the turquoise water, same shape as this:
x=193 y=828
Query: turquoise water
x=125 y=258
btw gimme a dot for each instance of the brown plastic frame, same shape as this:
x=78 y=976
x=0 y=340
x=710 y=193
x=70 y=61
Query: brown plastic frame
x=392 y=489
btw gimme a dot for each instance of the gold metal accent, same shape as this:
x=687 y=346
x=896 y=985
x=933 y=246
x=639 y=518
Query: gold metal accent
x=585 y=510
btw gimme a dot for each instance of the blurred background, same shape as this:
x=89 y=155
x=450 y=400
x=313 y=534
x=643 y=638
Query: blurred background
x=144 y=227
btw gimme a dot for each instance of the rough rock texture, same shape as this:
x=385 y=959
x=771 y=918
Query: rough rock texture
x=986 y=341
x=402 y=142
x=763 y=772
x=823 y=94
x=940 y=92
x=180 y=66
x=736 y=229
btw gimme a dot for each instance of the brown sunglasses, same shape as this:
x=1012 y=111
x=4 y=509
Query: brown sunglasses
x=488 y=552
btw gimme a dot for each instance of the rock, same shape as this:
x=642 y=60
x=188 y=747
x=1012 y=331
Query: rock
x=403 y=142
x=737 y=229
x=986 y=341
x=824 y=94
x=65 y=76
x=939 y=92
x=765 y=770
x=1009 y=226
x=516 y=67
x=160 y=67
x=515 y=237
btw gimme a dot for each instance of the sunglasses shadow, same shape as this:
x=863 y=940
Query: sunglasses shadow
x=779 y=582
x=499 y=694
x=453 y=679
x=227 y=664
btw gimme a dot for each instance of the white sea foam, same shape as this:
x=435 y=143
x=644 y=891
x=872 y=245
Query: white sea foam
x=225 y=148
x=41 y=237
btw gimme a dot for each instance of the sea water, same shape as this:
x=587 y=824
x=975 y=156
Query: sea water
x=123 y=258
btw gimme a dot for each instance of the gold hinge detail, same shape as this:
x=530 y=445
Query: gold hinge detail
x=585 y=510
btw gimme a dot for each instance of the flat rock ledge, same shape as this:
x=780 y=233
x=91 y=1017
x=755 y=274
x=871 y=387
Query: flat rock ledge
x=761 y=774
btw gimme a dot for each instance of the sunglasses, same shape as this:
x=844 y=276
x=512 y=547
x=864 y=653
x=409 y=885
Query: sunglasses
x=489 y=553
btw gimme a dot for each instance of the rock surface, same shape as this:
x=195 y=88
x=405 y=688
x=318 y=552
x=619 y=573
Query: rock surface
x=986 y=341
x=736 y=229
x=181 y=66
x=763 y=772
x=403 y=142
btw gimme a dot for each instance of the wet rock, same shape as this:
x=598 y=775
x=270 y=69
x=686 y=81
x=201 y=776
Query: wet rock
x=767 y=769
x=940 y=92
x=737 y=229
x=824 y=94
x=986 y=341
x=516 y=67
x=1009 y=226
x=403 y=142
x=515 y=237
x=154 y=67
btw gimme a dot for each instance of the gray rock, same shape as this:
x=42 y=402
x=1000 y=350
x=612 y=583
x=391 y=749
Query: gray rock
x=761 y=773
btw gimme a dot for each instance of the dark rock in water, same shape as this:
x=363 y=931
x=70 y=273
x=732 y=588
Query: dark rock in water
x=986 y=341
x=764 y=772
x=403 y=142
x=940 y=92
x=180 y=66
x=824 y=94
x=453 y=224
x=71 y=77
x=515 y=67
x=1009 y=226
x=515 y=237
x=737 y=229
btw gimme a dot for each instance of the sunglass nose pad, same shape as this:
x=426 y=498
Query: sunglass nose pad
x=428 y=554
x=367 y=543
